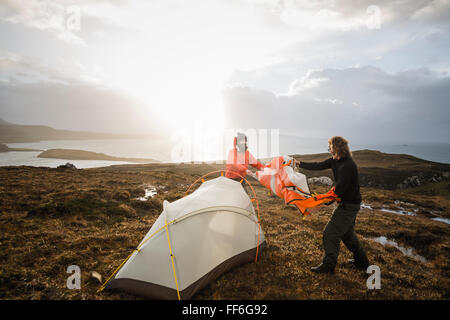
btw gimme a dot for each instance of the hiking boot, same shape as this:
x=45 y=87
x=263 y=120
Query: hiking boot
x=358 y=265
x=323 y=268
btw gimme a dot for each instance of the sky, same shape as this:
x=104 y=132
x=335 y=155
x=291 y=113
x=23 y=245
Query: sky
x=375 y=71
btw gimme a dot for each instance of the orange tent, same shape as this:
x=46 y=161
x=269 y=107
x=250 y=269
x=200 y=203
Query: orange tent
x=280 y=177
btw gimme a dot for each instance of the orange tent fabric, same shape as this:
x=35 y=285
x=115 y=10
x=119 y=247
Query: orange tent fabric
x=280 y=178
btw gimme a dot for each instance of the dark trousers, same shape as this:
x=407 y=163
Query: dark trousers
x=342 y=227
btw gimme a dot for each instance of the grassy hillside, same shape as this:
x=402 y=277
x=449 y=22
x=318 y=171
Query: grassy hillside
x=383 y=170
x=12 y=133
x=53 y=218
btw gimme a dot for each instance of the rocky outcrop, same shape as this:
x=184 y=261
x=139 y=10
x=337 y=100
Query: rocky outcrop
x=415 y=181
x=325 y=181
x=68 y=165
x=412 y=181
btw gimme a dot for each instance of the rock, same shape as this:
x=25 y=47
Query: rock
x=3 y=147
x=321 y=180
x=409 y=182
x=68 y=165
x=121 y=195
x=95 y=275
x=437 y=177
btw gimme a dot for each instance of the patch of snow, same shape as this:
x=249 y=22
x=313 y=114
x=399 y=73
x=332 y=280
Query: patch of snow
x=400 y=212
x=321 y=180
x=444 y=220
x=366 y=206
x=150 y=192
x=398 y=202
x=409 y=252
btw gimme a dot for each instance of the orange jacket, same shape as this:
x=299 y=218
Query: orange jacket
x=238 y=162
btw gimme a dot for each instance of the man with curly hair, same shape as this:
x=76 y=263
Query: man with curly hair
x=342 y=223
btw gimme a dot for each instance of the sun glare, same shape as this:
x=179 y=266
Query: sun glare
x=179 y=67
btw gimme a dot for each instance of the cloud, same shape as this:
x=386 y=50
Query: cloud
x=424 y=43
x=76 y=107
x=19 y=69
x=362 y=103
x=436 y=11
x=53 y=16
x=292 y=56
x=32 y=92
x=350 y=14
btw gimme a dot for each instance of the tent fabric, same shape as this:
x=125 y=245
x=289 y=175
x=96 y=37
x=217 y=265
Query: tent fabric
x=215 y=229
x=279 y=177
x=154 y=291
x=282 y=180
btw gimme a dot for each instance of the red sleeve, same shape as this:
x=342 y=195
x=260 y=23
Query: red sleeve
x=234 y=169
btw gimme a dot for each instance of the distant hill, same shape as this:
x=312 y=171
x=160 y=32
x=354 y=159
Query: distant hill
x=383 y=170
x=71 y=154
x=12 y=133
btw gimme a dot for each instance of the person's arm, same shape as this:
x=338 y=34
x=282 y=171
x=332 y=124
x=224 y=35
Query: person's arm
x=315 y=165
x=342 y=184
x=254 y=163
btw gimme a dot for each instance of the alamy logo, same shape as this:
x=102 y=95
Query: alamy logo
x=74 y=281
x=374 y=281
x=73 y=21
x=374 y=17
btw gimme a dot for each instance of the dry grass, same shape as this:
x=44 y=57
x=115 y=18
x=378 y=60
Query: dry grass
x=53 y=218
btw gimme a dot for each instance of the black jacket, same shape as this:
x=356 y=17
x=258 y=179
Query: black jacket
x=345 y=174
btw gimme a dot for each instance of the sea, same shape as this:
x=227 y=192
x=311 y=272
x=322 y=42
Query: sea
x=168 y=151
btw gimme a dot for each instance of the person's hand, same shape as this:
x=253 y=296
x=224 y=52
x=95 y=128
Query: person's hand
x=251 y=174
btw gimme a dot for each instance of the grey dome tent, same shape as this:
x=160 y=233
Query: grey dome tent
x=194 y=240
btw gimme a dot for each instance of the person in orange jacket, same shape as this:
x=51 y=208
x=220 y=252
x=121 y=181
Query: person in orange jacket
x=239 y=158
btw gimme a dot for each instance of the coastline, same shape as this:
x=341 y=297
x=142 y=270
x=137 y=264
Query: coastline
x=5 y=148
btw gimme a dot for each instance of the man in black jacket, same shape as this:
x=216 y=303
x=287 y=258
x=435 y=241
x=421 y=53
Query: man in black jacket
x=342 y=222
